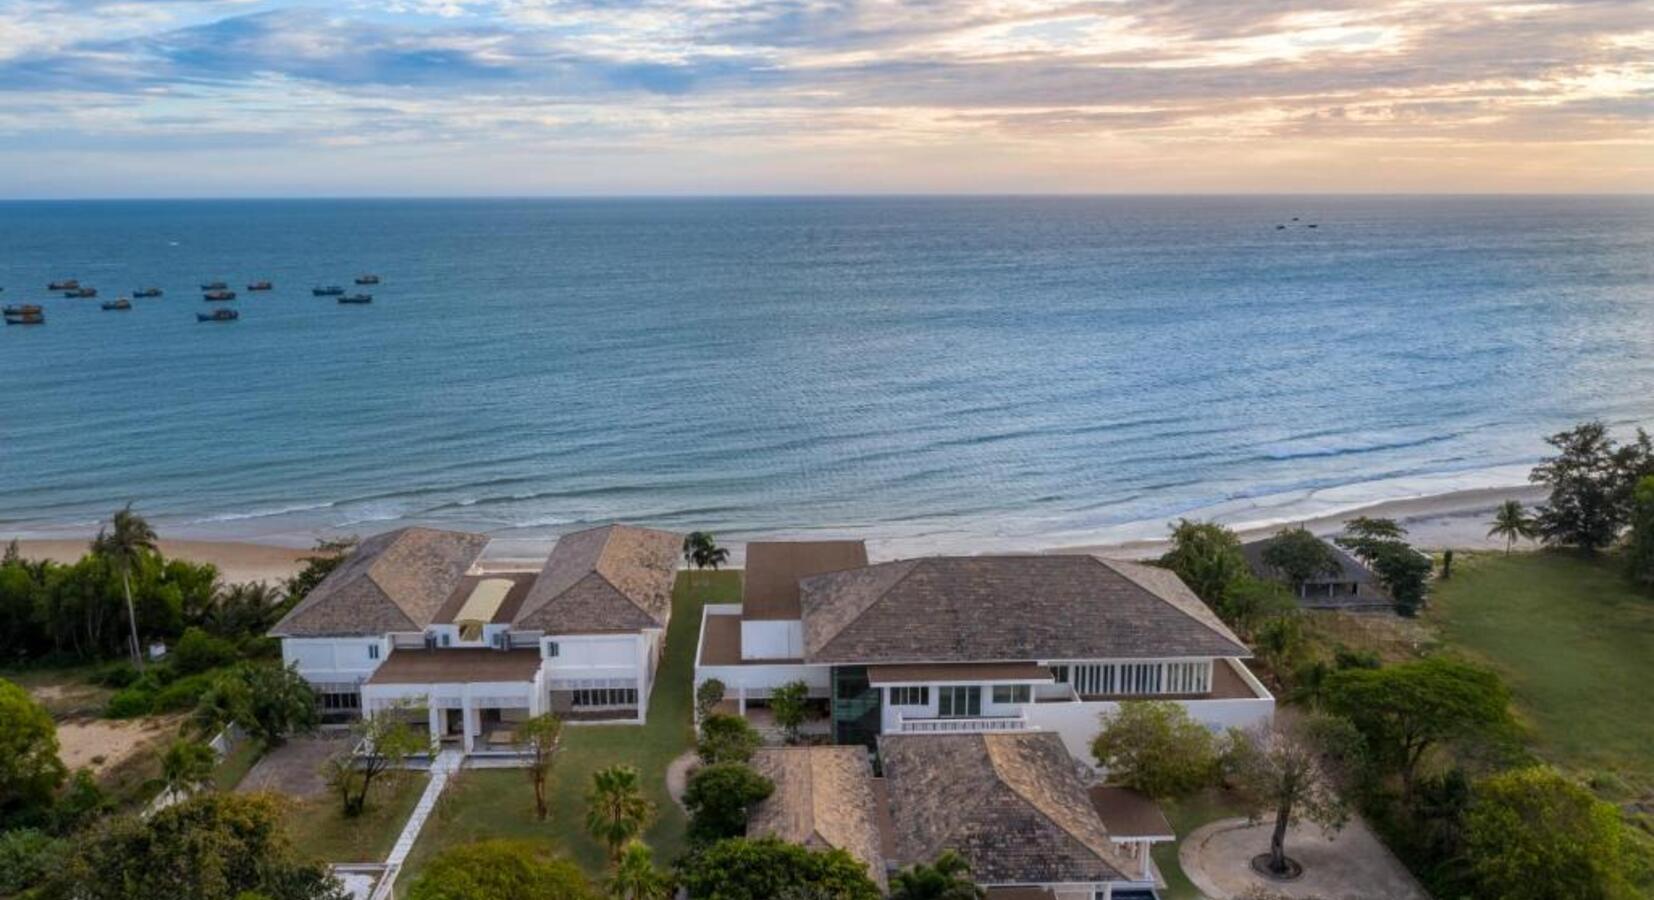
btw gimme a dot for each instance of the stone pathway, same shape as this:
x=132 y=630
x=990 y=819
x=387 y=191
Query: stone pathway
x=677 y=776
x=446 y=763
x=1351 y=865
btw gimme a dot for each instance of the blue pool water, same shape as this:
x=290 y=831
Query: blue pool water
x=935 y=373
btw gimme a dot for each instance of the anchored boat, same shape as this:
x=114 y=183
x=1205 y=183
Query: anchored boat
x=66 y=285
x=357 y=298
x=367 y=279
x=118 y=303
x=81 y=293
x=218 y=295
x=223 y=314
x=259 y=286
x=24 y=315
x=147 y=292
x=331 y=290
x=214 y=286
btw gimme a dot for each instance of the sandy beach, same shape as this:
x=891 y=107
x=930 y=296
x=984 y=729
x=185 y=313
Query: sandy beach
x=237 y=561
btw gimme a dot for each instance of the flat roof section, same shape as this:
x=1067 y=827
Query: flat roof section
x=1130 y=815
x=770 y=589
x=721 y=644
x=456 y=666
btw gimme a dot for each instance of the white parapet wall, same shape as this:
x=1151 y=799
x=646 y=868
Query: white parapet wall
x=755 y=681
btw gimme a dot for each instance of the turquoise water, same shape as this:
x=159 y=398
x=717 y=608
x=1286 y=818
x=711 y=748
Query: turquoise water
x=933 y=373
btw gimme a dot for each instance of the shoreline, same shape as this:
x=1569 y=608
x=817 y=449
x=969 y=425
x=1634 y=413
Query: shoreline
x=1456 y=519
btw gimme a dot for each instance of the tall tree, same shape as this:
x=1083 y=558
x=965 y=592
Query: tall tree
x=1154 y=747
x=1639 y=556
x=1300 y=557
x=947 y=878
x=1293 y=772
x=616 y=810
x=1404 y=572
x=537 y=740
x=1512 y=523
x=268 y=702
x=636 y=878
x=124 y=544
x=326 y=556
x=1585 y=478
x=1531 y=834
x=30 y=771
x=719 y=798
x=1207 y=556
x=701 y=550
x=386 y=741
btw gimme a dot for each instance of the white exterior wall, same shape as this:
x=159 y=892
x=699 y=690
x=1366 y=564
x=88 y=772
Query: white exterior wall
x=593 y=655
x=334 y=660
x=779 y=639
x=1077 y=723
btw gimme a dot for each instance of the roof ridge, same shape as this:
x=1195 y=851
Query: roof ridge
x=1225 y=633
x=912 y=564
x=1106 y=854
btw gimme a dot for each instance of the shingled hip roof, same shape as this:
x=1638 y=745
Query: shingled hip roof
x=823 y=799
x=988 y=608
x=395 y=581
x=614 y=578
x=1011 y=804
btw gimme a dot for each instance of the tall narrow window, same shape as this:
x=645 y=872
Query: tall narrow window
x=373 y=651
x=959 y=702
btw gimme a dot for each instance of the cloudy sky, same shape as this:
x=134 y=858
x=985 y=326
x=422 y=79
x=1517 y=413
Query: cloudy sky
x=247 y=97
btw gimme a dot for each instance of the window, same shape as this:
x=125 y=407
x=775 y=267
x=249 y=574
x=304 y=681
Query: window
x=1188 y=677
x=1140 y=678
x=339 y=702
x=1097 y=679
x=960 y=702
x=1059 y=674
x=373 y=651
x=910 y=696
x=551 y=649
x=590 y=697
x=445 y=639
x=1012 y=693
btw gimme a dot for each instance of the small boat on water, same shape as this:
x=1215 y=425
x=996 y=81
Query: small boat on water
x=24 y=315
x=147 y=292
x=357 y=298
x=367 y=279
x=218 y=295
x=1312 y=225
x=84 y=293
x=331 y=290
x=66 y=285
x=117 y=303
x=214 y=286
x=260 y=286
x=223 y=314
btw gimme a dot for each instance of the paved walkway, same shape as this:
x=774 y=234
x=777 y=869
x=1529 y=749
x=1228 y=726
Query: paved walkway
x=446 y=763
x=1351 y=865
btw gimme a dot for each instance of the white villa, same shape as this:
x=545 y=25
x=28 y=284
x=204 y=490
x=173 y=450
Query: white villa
x=979 y=644
x=410 y=622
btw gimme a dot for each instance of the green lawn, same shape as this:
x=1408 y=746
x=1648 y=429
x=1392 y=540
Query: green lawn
x=1576 y=645
x=499 y=803
x=319 y=830
x=236 y=764
x=1187 y=815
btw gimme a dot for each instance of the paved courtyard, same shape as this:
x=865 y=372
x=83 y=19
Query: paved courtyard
x=295 y=768
x=1352 y=865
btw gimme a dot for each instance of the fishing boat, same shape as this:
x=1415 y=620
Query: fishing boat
x=218 y=295
x=147 y=292
x=117 y=303
x=214 y=286
x=259 y=286
x=331 y=290
x=222 y=314
x=367 y=279
x=24 y=315
x=67 y=285
x=84 y=293
x=357 y=298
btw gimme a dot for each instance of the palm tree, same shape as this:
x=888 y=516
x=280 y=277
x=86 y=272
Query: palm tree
x=1512 y=522
x=635 y=876
x=616 y=810
x=948 y=878
x=125 y=544
x=702 y=551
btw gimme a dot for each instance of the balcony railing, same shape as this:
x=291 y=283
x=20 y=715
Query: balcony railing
x=963 y=726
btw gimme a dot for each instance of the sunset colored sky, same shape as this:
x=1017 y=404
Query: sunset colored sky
x=370 y=97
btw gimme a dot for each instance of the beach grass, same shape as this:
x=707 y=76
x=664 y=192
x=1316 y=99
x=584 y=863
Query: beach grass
x=1185 y=816
x=319 y=829
x=1572 y=638
x=499 y=803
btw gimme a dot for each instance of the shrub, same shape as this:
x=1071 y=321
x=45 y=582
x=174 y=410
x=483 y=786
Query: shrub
x=500 y=870
x=719 y=797
x=1532 y=834
x=726 y=738
x=707 y=697
x=767 y=868
x=198 y=651
x=118 y=674
x=182 y=694
x=27 y=856
x=1154 y=747
x=130 y=703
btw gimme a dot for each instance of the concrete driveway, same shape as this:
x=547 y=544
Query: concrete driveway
x=1351 y=865
x=295 y=768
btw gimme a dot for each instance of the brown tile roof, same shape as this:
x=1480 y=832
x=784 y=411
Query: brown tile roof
x=1011 y=804
x=823 y=799
x=959 y=672
x=991 y=608
x=608 y=579
x=396 y=581
x=1020 y=893
x=456 y=666
x=1129 y=814
x=774 y=568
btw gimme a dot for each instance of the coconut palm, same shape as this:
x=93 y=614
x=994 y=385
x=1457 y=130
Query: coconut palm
x=635 y=876
x=124 y=543
x=702 y=551
x=948 y=878
x=616 y=810
x=1512 y=522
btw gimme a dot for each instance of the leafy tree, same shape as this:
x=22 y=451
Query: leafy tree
x=1282 y=645
x=213 y=846
x=537 y=740
x=616 y=810
x=326 y=556
x=636 y=878
x=386 y=741
x=197 y=651
x=1154 y=747
x=30 y=771
x=1374 y=529
x=187 y=766
x=1294 y=773
x=500 y=870
x=767 y=868
x=708 y=695
x=268 y=702
x=1533 y=835
x=80 y=803
x=1405 y=710
x=720 y=796
x=1252 y=602
x=27 y=858
x=726 y=738
x=1403 y=571
x=1584 y=508
x=948 y=878
x=1207 y=556
x=787 y=704
x=1639 y=554
x=1300 y=557
x=1512 y=523
x=124 y=544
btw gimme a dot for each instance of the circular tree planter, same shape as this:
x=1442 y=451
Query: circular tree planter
x=1260 y=865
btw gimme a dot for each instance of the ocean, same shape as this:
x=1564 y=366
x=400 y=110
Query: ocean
x=930 y=373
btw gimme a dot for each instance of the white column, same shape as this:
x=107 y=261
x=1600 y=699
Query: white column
x=436 y=717
x=644 y=682
x=741 y=700
x=469 y=719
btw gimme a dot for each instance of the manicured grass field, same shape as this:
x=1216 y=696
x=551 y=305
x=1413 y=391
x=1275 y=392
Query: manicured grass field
x=500 y=803
x=1575 y=643
x=1186 y=815
x=319 y=830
